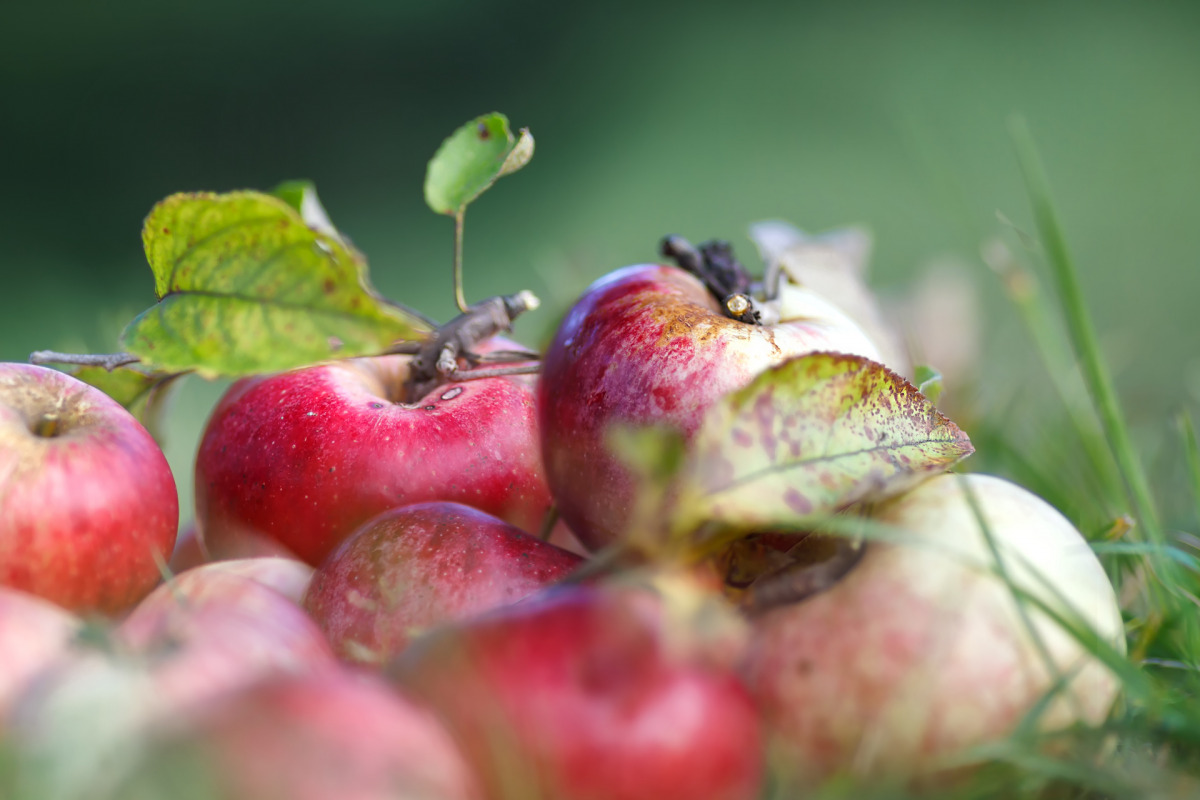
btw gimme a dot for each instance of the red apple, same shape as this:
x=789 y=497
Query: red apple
x=334 y=736
x=87 y=501
x=919 y=652
x=305 y=457
x=648 y=345
x=421 y=565
x=579 y=694
x=33 y=633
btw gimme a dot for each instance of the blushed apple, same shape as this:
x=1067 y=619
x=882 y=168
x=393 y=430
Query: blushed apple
x=421 y=565
x=334 y=736
x=33 y=633
x=89 y=718
x=287 y=576
x=919 y=651
x=88 y=506
x=650 y=345
x=578 y=694
x=303 y=458
x=208 y=633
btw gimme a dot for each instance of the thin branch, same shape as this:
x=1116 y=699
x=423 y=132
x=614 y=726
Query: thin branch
x=494 y=372
x=109 y=361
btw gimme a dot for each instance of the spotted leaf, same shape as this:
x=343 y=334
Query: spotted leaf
x=811 y=437
x=244 y=285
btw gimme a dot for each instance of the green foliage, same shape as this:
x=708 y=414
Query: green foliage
x=129 y=386
x=471 y=160
x=808 y=438
x=245 y=285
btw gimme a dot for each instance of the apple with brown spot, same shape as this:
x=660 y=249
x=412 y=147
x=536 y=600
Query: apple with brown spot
x=651 y=345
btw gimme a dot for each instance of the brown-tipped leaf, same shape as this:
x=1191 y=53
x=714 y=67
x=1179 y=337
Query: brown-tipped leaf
x=245 y=286
x=472 y=159
x=810 y=437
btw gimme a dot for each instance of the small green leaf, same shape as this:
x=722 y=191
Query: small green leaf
x=246 y=286
x=471 y=160
x=929 y=382
x=808 y=438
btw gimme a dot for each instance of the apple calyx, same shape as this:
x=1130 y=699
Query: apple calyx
x=435 y=361
x=800 y=580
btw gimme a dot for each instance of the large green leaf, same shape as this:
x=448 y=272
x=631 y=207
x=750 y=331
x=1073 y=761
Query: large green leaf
x=471 y=160
x=808 y=438
x=245 y=286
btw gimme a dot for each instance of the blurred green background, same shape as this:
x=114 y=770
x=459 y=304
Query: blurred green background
x=650 y=118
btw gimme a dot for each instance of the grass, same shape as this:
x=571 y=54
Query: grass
x=1150 y=744
x=1084 y=455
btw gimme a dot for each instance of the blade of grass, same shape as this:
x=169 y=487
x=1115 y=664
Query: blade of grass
x=1022 y=288
x=1087 y=350
x=1191 y=449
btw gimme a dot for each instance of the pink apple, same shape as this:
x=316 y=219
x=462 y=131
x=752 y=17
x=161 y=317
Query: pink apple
x=86 y=720
x=919 y=652
x=579 y=695
x=421 y=565
x=87 y=501
x=334 y=736
x=287 y=576
x=209 y=632
x=33 y=633
x=305 y=457
x=648 y=345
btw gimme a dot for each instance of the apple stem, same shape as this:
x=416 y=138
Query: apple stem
x=721 y=273
x=46 y=426
x=796 y=583
x=109 y=361
x=436 y=360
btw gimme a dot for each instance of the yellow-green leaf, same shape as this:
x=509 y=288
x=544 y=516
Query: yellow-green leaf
x=471 y=160
x=245 y=286
x=808 y=438
x=126 y=385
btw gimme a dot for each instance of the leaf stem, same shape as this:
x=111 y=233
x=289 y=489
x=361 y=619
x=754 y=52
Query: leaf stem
x=109 y=361
x=459 y=297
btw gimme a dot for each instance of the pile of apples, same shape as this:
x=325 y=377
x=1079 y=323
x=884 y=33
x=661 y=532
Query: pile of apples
x=464 y=588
